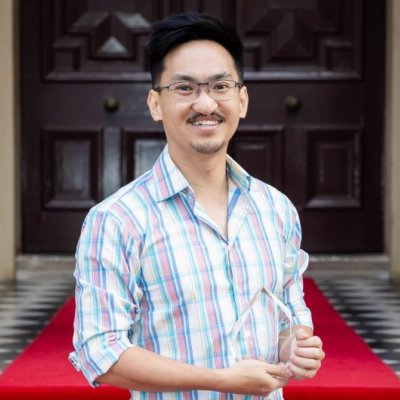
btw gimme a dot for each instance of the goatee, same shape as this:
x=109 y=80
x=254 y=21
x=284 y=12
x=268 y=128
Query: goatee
x=207 y=148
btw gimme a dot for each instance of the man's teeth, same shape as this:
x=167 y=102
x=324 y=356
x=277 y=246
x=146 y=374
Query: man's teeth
x=205 y=123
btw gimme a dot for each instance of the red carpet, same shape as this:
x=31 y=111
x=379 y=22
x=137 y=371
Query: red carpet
x=350 y=370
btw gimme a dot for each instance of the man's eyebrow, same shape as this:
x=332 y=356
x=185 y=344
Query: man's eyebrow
x=184 y=77
x=223 y=75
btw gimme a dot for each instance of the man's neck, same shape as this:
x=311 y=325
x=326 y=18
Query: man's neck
x=203 y=171
x=206 y=174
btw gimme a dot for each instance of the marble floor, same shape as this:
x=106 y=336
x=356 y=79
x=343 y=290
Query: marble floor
x=371 y=307
x=367 y=300
x=27 y=305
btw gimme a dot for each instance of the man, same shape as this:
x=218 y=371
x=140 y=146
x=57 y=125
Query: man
x=184 y=275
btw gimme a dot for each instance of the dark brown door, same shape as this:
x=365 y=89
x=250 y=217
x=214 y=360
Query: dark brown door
x=314 y=71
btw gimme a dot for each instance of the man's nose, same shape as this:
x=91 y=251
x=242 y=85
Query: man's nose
x=204 y=103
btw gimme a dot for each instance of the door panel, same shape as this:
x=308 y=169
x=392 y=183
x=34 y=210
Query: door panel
x=71 y=169
x=260 y=150
x=302 y=39
x=314 y=129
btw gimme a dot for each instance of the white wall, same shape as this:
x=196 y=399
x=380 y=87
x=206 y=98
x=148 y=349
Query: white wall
x=8 y=134
x=392 y=148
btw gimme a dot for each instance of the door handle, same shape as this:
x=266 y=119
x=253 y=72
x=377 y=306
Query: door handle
x=111 y=104
x=292 y=103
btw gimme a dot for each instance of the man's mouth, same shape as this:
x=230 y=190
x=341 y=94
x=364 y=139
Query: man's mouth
x=205 y=123
x=198 y=120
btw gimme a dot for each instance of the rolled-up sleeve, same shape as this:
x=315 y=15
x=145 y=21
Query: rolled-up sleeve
x=107 y=295
x=296 y=262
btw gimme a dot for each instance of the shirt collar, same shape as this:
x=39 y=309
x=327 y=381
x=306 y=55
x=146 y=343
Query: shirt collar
x=169 y=180
x=240 y=177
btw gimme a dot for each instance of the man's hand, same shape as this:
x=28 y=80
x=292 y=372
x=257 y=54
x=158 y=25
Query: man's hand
x=254 y=377
x=307 y=355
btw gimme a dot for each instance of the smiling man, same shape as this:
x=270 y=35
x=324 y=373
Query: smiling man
x=189 y=279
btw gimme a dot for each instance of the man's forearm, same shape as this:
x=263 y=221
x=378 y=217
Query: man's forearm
x=142 y=370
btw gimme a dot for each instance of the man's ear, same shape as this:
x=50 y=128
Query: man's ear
x=244 y=101
x=153 y=101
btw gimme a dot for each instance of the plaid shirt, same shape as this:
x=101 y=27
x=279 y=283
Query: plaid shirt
x=154 y=270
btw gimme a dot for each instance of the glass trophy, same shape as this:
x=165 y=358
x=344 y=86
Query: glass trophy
x=240 y=338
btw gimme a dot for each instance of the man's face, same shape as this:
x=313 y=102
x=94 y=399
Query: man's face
x=204 y=125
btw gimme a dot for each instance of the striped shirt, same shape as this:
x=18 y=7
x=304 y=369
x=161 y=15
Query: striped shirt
x=154 y=270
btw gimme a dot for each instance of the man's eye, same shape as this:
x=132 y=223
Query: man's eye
x=184 y=88
x=221 y=86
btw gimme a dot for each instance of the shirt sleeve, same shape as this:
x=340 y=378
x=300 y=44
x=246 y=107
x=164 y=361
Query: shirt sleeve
x=295 y=264
x=107 y=295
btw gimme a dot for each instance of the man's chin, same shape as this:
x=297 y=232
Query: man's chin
x=208 y=148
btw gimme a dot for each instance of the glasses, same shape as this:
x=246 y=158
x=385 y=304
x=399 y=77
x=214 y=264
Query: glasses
x=186 y=91
x=281 y=311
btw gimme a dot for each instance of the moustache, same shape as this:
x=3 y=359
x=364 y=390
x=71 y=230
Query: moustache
x=218 y=117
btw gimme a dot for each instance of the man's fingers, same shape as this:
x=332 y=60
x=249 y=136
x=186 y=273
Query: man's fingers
x=278 y=371
x=305 y=363
x=301 y=373
x=313 y=341
x=301 y=334
x=314 y=353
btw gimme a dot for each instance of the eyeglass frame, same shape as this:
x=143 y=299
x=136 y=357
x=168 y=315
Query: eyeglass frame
x=238 y=84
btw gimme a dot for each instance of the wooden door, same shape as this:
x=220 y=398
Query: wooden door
x=314 y=70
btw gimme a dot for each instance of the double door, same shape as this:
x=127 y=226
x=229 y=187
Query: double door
x=315 y=76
